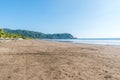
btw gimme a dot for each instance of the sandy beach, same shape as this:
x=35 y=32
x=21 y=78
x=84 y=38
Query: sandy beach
x=44 y=60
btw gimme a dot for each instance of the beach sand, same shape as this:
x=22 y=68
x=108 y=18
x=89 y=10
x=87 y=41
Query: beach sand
x=44 y=60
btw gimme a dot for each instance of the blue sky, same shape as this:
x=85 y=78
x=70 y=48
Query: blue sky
x=82 y=18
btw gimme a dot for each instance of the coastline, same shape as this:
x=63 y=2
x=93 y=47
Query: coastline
x=46 y=60
x=97 y=41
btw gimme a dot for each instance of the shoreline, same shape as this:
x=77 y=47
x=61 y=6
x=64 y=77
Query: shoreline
x=107 y=44
x=71 y=42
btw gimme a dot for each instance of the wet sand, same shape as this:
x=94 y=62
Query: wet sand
x=44 y=60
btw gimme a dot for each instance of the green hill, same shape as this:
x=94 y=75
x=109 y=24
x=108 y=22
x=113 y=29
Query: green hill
x=39 y=35
x=4 y=35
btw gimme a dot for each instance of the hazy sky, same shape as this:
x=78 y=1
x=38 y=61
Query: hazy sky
x=82 y=18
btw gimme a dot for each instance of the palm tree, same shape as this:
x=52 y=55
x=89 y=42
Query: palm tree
x=1 y=33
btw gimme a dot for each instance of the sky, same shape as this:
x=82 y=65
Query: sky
x=82 y=18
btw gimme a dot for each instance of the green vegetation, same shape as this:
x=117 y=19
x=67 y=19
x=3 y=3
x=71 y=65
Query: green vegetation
x=9 y=35
x=39 y=35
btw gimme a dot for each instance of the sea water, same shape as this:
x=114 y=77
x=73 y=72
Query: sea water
x=102 y=41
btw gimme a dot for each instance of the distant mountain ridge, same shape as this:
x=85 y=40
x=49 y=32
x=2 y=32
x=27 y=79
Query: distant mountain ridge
x=39 y=35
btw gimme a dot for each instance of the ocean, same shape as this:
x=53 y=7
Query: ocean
x=101 y=41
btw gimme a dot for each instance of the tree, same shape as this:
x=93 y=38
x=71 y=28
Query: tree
x=9 y=35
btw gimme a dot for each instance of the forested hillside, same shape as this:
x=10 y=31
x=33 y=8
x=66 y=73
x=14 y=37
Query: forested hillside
x=4 y=35
x=39 y=35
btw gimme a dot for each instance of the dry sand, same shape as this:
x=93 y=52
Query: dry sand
x=43 y=60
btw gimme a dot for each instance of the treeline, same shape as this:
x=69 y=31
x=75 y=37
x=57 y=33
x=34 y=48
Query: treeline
x=4 y=35
x=39 y=35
